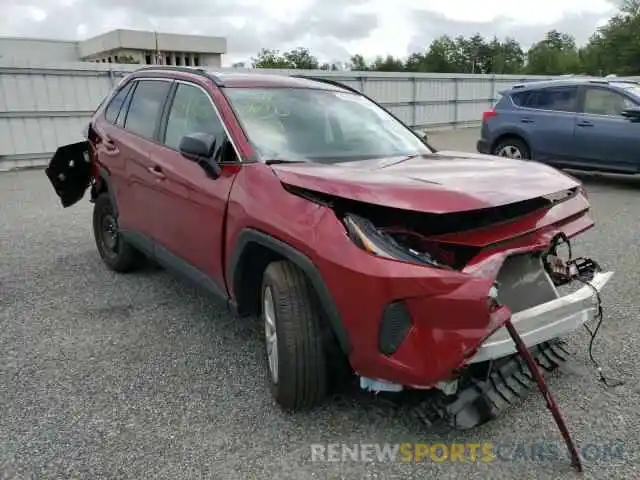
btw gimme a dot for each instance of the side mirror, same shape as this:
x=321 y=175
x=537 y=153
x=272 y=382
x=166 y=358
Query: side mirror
x=199 y=147
x=425 y=137
x=632 y=114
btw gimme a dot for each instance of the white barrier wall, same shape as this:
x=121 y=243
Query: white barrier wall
x=44 y=106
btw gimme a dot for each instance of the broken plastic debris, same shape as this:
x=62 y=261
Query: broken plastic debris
x=379 y=385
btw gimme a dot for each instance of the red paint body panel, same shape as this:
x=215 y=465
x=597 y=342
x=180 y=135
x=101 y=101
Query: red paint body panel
x=449 y=308
x=200 y=220
x=434 y=183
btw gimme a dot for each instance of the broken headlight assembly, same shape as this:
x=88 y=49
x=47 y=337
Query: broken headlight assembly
x=383 y=244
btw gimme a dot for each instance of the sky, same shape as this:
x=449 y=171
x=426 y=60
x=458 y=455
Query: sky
x=332 y=29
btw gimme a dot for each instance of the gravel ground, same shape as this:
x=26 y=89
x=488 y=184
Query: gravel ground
x=139 y=376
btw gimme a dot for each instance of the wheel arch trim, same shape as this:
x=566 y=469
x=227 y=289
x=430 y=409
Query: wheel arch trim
x=302 y=261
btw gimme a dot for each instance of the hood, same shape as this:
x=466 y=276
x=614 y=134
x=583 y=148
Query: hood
x=441 y=182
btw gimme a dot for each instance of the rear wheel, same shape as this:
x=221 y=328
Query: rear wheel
x=115 y=252
x=297 y=363
x=512 y=147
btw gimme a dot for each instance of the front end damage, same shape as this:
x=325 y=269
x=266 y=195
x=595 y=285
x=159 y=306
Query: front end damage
x=491 y=280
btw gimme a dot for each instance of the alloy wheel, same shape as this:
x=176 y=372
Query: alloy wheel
x=271 y=336
x=510 y=151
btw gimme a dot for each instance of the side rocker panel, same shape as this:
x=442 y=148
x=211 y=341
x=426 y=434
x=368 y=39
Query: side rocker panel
x=306 y=265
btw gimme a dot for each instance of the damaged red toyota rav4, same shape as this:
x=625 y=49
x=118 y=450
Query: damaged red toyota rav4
x=305 y=202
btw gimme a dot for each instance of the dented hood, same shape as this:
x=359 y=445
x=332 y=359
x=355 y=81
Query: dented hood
x=439 y=183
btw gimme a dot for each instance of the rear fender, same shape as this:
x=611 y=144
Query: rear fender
x=70 y=172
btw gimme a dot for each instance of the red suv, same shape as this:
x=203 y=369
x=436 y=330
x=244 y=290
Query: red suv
x=305 y=202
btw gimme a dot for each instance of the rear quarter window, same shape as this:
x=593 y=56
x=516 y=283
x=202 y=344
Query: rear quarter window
x=520 y=98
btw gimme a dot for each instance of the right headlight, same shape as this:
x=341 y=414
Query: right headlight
x=366 y=236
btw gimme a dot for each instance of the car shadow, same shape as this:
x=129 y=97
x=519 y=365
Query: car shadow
x=631 y=182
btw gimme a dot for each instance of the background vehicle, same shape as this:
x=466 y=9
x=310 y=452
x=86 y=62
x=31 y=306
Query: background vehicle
x=582 y=123
x=362 y=249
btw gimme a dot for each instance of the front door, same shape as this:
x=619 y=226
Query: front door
x=604 y=138
x=191 y=207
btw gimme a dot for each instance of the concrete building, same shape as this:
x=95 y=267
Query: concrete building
x=120 y=46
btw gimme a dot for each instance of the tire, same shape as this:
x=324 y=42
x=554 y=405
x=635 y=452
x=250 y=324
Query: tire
x=298 y=377
x=117 y=255
x=518 y=148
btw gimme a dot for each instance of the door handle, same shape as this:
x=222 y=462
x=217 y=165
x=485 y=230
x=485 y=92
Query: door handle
x=527 y=120
x=584 y=123
x=157 y=172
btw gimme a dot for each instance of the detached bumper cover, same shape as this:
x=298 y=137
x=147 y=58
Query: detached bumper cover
x=545 y=322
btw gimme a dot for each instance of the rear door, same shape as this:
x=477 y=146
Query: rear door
x=547 y=117
x=111 y=148
x=604 y=138
x=140 y=184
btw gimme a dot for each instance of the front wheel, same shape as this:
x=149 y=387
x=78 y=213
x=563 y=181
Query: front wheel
x=296 y=357
x=115 y=252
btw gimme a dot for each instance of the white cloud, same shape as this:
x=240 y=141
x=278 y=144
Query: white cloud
x=332 y=29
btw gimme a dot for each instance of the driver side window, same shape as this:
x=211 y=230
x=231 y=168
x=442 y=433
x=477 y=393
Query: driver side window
x=191 y=112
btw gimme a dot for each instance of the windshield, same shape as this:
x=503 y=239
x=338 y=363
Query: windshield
x=296 y=124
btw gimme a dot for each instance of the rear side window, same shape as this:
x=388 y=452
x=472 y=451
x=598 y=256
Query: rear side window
x=145 y=107
x=560 y=99
x=520 y=99
x=111 y=113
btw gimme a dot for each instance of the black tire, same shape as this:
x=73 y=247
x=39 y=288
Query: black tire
x=302 y=366
x=515 y=143
x=115 y=252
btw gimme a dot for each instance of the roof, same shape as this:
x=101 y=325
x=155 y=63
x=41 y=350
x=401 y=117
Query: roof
x=573 y=80
x=265 y=80
x=250 y=79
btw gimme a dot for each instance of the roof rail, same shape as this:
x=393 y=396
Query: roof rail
x=335 y=83
x=174 y=68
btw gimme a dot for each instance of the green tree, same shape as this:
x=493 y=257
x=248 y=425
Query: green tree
x=615 y=48
x=358 y=63
x=301 y=58
x=439 y=57
x=506 y=57
x=387 y=64
x=556 y=54
x=268 y=58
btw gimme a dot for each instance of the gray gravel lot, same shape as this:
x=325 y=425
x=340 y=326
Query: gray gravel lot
x=139 y=376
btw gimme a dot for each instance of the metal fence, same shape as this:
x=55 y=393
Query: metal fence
x=44 y=106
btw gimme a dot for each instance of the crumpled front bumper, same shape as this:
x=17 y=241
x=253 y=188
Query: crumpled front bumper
x=546 y=321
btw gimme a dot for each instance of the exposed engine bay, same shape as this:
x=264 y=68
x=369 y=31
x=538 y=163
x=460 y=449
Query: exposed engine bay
x=416 y=236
